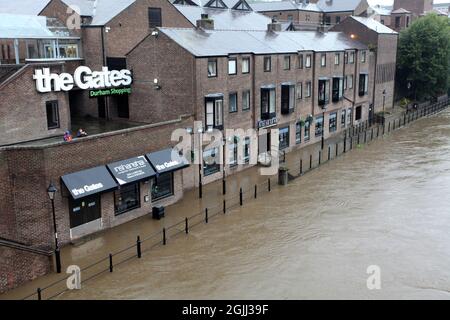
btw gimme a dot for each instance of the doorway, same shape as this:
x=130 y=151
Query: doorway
x=84 y=210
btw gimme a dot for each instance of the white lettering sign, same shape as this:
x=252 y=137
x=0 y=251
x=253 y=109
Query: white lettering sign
x=167 y=165
x=87 y=188
x=83 y=77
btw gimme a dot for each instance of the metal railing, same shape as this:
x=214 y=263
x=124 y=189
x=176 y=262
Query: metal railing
x=361 y=134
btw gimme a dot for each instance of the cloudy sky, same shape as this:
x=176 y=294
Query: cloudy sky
x=389 y=2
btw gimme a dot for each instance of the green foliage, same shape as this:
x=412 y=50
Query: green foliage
x=404 y=102
x=424 y=57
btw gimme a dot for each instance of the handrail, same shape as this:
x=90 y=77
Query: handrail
x=23 y=247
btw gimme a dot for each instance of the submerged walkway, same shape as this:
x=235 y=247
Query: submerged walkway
x=92 y=255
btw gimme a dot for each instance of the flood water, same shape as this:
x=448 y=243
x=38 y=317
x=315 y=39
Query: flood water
x=384 y=204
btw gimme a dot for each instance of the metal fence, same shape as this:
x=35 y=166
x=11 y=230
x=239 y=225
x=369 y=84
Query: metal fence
x=351 y=137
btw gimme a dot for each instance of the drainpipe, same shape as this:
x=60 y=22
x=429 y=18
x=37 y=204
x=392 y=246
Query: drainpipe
x=102 y=29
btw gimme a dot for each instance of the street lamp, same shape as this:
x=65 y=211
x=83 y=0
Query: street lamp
x=224 y=185
x=51 y=191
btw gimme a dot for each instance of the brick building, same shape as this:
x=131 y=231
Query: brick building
x=189 y=61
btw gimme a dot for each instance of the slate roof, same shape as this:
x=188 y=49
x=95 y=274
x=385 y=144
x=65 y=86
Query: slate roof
x=264 y=6
x=24 y=7
x=374 y=25
x=205 y=43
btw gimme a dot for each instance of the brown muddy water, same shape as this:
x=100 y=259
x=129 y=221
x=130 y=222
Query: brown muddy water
x=384 y=204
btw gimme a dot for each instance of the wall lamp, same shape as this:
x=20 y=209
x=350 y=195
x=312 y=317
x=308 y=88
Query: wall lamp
x=156 y=85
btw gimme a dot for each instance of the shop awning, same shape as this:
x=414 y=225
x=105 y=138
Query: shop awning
x=131 y=170
x=88 y=182
x=167 y=160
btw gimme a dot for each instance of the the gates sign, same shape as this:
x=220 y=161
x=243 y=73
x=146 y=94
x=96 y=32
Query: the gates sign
x=83 y=77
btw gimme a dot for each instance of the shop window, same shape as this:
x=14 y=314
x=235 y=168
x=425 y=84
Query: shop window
x=211 y=163
x=214 y=113
x=232 y=66
x=268 y=103
x=284 y=138
x=245 y=65
x=233 y=149
x=358 y=113
x=52 y=109
x=154 y=17
x=163 y=186
x=333 y=122
x=287 y=99
x=319 y=126
x=212 y=68
x=246 y=100
x=127 y=198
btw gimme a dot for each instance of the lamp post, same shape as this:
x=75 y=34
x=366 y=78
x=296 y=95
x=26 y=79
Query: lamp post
x=224 y=183
x=51 y=191
x=384 y=103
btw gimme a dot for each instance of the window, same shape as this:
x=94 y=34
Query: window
x=245 y=65
x=299 y=90
x=212 y=68
x=232 y=66
x=267 y=64
x=382 y=21
x=52 y=109
x=324 y=92
x=284 y=138
x=397 y=22
x=232 y=102
x=268 y=110
x=290 y=17
x=407 y=21
x=287 y=63
x=358 y=113
x=328 y=20
x=307 y=130
x=300 y=61
x=337 y=58
x=350 y=116
x=338 y=87
x=214 y=113
x=308 y=61
x=363 y=56
x=211 y=163
x=338 y=19
x=154 y=17
x=350 y=81
x=215 y=4
x=246 y=100
x=233 y=148
x=247 y=150
x=298 y=133
x=319 y=126
x=127 y=198
x=333 y=122
x=163 y=186
x=351 y=57
x=323 y=60
x=287 y=98
x=363 y=84
x=346 y=57
x=308 y=89
x=343 y=118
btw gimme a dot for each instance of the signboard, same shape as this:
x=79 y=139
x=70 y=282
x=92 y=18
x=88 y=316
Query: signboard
x=267 y=123
x=83 y=77
x=131 y=170
x=88 y=182
x=109 y=92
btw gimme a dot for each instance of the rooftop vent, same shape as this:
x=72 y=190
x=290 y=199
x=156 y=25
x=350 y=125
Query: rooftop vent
x=274 y=26
x=205 y=22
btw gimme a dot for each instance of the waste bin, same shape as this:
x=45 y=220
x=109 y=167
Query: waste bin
x=158 y=212
x=283 y=176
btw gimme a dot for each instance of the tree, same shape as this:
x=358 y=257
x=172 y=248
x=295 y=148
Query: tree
x=424 y=57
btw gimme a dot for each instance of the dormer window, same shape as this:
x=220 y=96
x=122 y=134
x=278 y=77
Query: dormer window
x=216 y=4
x=242 y=5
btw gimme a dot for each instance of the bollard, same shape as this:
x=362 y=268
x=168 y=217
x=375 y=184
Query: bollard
x=365 y=137
x=394 y=126
x=224 y=187
x=110 y=263
x=200 y=189
x=256 y=191
x=358 y=138
x=320 y=157
x=378 y=131
x=345 y=144
x=164 y=236
x=240 y=197
x=351 y=143
x=224 y=206
x=329 y=153
x=371 y=135
x=39 y=294
x=404 y=119
x=186 y=225
x=337 y=149
x=301 y=166
x=268 y=181
x=58 y=260
x=138 y=247
x=206 y=215
x=310 y=161
x=389 y=127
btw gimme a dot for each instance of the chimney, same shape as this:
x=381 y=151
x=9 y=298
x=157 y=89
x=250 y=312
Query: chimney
x=205 y=22
x=274 y=26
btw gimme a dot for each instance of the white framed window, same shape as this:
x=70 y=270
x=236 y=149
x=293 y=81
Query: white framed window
x=299 y=90
x=212 y=68
x=337 y=59
x=308 y=61
x=246 y=65
x=323 y=60
x=232 y=66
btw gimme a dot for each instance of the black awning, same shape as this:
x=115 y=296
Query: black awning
x=88 y=182
x=131 y=170
x=167 y=160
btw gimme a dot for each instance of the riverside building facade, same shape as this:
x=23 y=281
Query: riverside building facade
x=141 y=70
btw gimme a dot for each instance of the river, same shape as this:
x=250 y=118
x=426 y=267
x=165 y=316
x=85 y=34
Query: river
x=385 y=204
